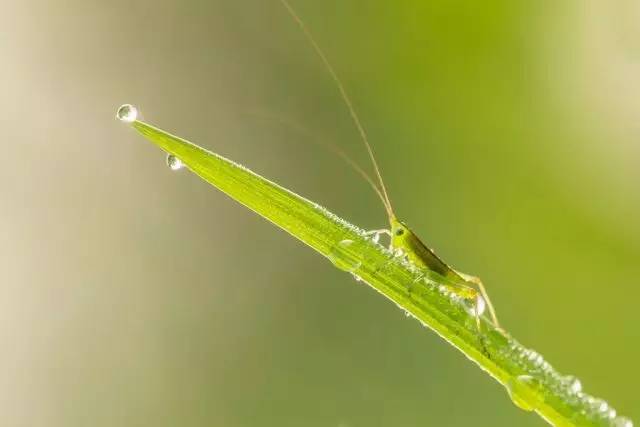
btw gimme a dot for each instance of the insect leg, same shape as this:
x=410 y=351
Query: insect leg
x=377 y=233
x=476 y=281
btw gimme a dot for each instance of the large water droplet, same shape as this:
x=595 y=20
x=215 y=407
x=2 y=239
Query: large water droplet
x=174 y=163
x=622 y=422
x=343 y=258
x=475 y=305
x=127 y=113
x=523 y=392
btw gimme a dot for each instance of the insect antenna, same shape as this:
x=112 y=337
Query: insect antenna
x=347 y=100
x=325 y=144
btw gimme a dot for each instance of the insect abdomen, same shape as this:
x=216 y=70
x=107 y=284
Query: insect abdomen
x=422 y=256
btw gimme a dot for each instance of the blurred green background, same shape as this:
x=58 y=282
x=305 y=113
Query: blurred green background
x=508 y=135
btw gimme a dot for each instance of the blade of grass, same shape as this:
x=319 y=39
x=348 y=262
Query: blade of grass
x=530 y=381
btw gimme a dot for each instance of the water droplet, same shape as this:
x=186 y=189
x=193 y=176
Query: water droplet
x=523 y=392
x=444 y=290
x=127 y=113
x=536 y=359
x=573 y=384
x=475 y=305
x=622 y=422
x=174 y=163
x=343 y=257
x=600 y=406
x=455 y=298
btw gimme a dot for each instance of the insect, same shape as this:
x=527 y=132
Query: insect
x=401 y=236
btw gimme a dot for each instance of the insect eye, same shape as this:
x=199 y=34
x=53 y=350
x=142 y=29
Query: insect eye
x=399 y=232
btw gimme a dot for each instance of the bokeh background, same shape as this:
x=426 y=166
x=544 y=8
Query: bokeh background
x=131 y=295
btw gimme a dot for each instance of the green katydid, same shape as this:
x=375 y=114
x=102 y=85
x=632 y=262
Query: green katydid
x=402 y=238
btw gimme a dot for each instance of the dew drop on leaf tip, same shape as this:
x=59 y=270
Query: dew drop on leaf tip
x=174 y=163
x=127 y=113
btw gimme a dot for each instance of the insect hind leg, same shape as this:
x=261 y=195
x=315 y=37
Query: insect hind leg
x=483 y=292
x=475 y=285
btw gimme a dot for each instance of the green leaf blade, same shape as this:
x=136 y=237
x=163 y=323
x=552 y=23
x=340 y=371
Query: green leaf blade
x=423 y=294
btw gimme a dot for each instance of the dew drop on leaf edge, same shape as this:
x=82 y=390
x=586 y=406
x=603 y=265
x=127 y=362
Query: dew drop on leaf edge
x=174 y=163
x=573 y=384
x=622 y=422
x=522 y=392
x=341 y=257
